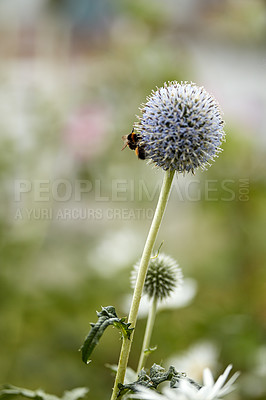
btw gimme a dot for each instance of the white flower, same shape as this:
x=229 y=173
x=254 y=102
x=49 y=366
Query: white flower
x=210 y=390
x=197 y=357
x=181 y=297
x=107 y=258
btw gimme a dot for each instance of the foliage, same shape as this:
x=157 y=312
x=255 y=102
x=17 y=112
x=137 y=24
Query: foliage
x=157 y=375
x=51 y=269
x=10 y=391
x=106 y=317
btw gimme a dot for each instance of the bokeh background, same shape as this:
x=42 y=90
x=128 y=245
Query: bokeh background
x=75 y=210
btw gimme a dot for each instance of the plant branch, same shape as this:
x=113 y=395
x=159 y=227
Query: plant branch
x=156 y=222
x=148 y=332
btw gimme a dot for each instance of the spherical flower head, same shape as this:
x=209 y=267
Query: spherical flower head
x=163 y=276
x=181 y=127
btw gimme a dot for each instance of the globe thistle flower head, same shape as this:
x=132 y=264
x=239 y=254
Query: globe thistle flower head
x=163 y=276
x=181 y=127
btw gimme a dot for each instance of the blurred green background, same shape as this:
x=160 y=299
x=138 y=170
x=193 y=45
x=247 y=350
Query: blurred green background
x=75 y=210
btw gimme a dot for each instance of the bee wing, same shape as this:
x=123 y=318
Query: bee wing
x=124 y=138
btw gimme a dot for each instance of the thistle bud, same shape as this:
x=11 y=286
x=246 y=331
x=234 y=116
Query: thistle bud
x=163 y=276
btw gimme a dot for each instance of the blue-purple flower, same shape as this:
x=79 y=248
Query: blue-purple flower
x=181 y=127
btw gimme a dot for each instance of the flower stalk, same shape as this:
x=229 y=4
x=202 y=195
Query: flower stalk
x=144 y=263
x=147 y=336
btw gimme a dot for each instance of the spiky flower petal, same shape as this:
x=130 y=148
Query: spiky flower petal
x=181 y=127
x=210 y=390
x=163 y=276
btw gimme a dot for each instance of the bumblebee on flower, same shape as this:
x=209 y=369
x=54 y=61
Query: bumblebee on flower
x=180 y=129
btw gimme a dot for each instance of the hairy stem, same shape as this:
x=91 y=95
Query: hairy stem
x=147 y=337
x=132 y=318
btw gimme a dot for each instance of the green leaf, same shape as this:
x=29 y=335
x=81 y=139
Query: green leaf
x=12 y=391
x=156 y=376
x=106 y=317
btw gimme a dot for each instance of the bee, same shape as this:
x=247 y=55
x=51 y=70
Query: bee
x=132 y=141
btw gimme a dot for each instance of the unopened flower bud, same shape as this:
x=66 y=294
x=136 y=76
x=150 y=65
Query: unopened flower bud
x=163 y=276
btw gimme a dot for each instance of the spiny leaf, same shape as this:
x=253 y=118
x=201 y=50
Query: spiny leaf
x=106 y=317
x=13 y=391
x=124 y=327
x=156 y=376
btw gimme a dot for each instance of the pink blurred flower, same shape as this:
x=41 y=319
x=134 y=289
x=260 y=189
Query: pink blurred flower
x=86 y=131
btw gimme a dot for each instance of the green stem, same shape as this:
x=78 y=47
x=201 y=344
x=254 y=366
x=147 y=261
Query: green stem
x=147 y=337
x=132 y=318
